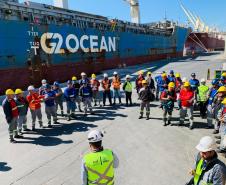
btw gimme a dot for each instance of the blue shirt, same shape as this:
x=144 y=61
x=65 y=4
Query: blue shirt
x=163 y=84
x=157 y=79
x=172 y=78
x=70 y=94
x=212 y=94
x=194 y=84
x=86 y=92
x=50 y=102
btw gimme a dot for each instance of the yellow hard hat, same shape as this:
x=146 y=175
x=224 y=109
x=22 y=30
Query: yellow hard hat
x=149 y=73
x=177 y=75
x=222 y=89
x=171 y=84
x=18 y=91
x=164 y=75
x=224 y=101
x=223 y=74
x=141 y=72
x=144 y=82
x=9 y=92
x=74 y=78
x=186 y=84
x=93 y=76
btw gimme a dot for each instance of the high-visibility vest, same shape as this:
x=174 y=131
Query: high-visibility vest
x=116 y=82
x=106 y=84
x=198 y=173
x=203 y=93
x=99 y=166
x=128 y=87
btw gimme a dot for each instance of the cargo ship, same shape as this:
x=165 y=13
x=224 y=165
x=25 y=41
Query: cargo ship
x=39 y=41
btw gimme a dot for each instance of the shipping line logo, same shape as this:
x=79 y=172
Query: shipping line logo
x=52 y=43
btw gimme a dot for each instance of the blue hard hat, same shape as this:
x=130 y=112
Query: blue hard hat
x=215 y=82
x=69 y=82
x=171 y=72
x=56 y=84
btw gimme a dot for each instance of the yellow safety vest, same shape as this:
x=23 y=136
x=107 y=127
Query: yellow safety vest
x=99 y=166
x=202 y=93
x=198 y=173
x=128 y=87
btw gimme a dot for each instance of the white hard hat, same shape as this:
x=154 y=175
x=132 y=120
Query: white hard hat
x=44 y=81
x=83 y=74
x=115 y=73
x=184 y=79
x=31 y=88
x=95 y=136
x=206 y=144
x=105 y=75
x=128 y=76
x=203 y=80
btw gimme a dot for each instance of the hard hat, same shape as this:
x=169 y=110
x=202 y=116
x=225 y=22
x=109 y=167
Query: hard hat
x=128 y=76
x=222 y=89
x=149 y=73
x=18 y=91
x=105 y=75
x=115 y=73
x=206 y=144
x=83 y=74
x=69 y=82
x=141 y=72
x=215 y=82
x=224 y=101
x=171 y=84
x=177 y=75
x=95 y=136
x=144 y=82
x=74 y=78
x=31 y=88
x=171 y=72
x=93 y=76
x=9 y=92
x=56 y=84
x=203 y=80
x=224 y=74
x=193 y=74
x=184 y=79
x=44 y=81
x=47 y=86
x=186 y=84
x=164 y=75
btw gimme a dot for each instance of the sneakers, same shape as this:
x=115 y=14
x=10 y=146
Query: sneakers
x=147 y=118
x=140 y=117
x=18 y=136
x=12 y=141
x=191 y=127
x=164 y=124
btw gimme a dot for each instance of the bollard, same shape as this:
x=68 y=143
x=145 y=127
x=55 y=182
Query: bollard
x=208 y=74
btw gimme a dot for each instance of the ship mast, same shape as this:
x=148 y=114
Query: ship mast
x=61 y=3
x=134 y=10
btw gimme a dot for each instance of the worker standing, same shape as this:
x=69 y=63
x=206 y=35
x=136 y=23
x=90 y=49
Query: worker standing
x=158 y=80
x=163 y=83
x=187 y=100
x=194 y=86
x=11 y=114
x=172 y=77
x=34 y=100
x=209 y=170
x=106 y=85
x=50 y=106
x=203 y=90
x=59 y=97
x=85 y=92
x=145 y=97
x=151 y=82
x=178 y=86
x=70 y=94
x=139 y=80
x=76 y=85
x=168 y=97
x=22 y=105
x=128 y=88
x=211 y=96
x=83 y=79
x=116 y=83
x=95 y=84
x=98 y=165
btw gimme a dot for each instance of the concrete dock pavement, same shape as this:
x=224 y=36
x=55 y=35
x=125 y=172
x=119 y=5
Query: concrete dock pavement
x=148 y=152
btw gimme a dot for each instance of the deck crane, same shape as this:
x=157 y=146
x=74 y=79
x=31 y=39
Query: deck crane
x=134 y=10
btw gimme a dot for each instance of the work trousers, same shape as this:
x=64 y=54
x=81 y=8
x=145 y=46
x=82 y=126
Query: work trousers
x=128 y=97
x=13 y=128
x=96 y=97
x=210 y=117
x=203 y=108
x=36 y=114
x=167 y=112
x=223 y=136
x=87 y=104
x=105 y=95
x=116 y=94
x=157 y=93
x=71 y=106
x=145 y=104
x=187 y=111
x=78 y=102
x=22 y=122
x=59 y=103
x=51 y=112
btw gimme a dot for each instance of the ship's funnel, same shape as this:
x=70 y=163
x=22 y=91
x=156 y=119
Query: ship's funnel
x=61 y=3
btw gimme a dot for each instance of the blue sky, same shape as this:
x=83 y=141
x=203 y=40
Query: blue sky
x=213 y=12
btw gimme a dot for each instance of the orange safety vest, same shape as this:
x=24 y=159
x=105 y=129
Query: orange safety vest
x=116 y=82
x=95 y=84
x=106 y=84
x=34 y=101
